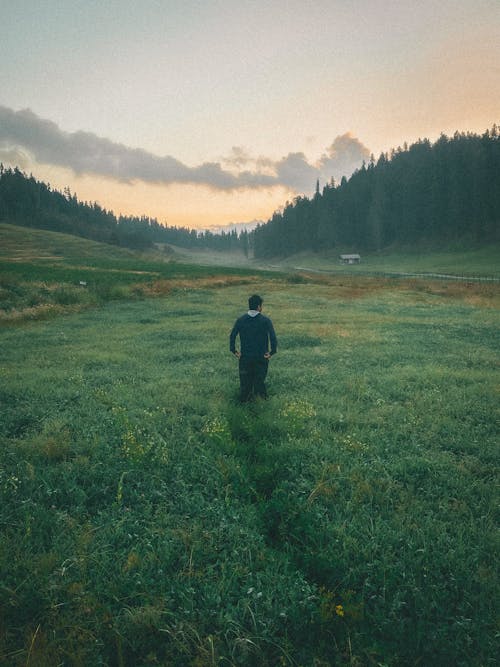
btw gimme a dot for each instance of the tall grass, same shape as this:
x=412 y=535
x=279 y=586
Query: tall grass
x=147 y=518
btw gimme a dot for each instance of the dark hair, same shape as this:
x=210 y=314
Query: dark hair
x=254 y=302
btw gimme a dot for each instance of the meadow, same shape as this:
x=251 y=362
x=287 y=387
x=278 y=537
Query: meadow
x=149 y=519
x=43 y=274
x=473 y=262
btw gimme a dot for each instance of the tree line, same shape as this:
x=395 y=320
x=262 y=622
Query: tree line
x=433 y=194
x=28 y=202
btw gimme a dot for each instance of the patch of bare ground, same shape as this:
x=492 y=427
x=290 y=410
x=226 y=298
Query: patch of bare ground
x=25 y=257
x=480 y=294
x=39 y=312
x=161 y=287
x=355 y=287
x=331 y=330
x=473 y=293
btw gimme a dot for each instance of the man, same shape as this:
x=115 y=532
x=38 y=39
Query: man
x=257 y=345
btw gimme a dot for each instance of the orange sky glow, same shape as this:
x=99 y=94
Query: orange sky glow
x=201 y=115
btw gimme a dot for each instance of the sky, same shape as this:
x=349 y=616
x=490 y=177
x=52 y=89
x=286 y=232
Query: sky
x=203 y=113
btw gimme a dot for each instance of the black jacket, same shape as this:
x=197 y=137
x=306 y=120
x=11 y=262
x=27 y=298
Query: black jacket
x=255 y=335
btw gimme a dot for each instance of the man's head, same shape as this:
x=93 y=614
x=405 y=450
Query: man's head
x=255 y=302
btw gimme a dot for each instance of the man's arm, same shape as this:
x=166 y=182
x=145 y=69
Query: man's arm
x=272 y=338
x=232 y=339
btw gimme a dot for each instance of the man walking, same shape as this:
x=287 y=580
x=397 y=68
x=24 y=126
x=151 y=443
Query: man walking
x=257 y=344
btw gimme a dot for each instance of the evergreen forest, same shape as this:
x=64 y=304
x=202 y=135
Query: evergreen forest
x=28 y=202
x=424 y=195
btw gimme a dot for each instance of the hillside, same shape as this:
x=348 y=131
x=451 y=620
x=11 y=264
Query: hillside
x=26 y=244
x=28 y=202
x=482 y=263
x=430 y=195
x=44 y=272
x=24 y=249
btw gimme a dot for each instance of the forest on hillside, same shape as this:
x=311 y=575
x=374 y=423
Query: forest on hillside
x=434 y=194
x=28 y=202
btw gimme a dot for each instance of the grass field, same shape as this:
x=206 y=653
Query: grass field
x=43 y=273
x=478 y=262
x=481 y=263
x=148 y=519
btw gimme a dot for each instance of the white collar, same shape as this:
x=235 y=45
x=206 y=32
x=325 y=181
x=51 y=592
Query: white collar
x=253 y=313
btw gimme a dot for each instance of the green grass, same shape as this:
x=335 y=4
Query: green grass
x=475 y=262
x=43 y=273
x=148 y=519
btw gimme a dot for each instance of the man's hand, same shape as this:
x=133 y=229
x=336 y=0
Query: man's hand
x=237 y=354
x=267 y=355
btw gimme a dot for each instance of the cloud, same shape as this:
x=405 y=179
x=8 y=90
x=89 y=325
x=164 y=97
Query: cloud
x=14 y=156
x=344 y=156
x=86 y=153
x=238 y=158
x=296 y=172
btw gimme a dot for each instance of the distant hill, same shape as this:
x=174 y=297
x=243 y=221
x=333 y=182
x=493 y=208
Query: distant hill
x=30 y=203
x=21 y=244
x=429 y=195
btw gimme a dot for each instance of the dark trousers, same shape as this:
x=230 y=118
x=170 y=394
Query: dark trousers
x=253 y=373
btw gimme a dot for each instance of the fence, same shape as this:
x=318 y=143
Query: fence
x=395 y=274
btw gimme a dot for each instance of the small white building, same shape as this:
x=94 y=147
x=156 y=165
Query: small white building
x=350 y=259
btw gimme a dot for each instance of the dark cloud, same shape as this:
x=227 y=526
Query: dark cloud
x=86 y=153
x=296 y=172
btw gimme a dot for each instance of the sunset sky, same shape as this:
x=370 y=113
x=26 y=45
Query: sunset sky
x=206 y=112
